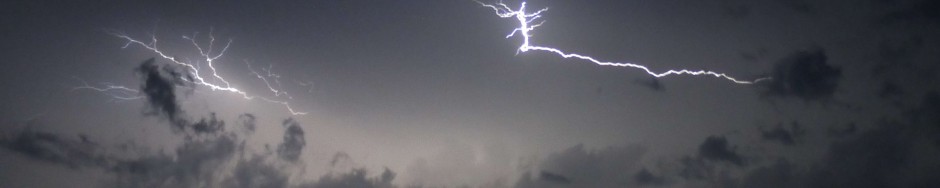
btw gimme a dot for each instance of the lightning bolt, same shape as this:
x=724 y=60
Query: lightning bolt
x=264 y=78
x=115 y=91
x=208 y=55
x=527 y=22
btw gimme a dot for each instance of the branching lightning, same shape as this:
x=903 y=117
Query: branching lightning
x=527 y=22
x=275 y=77
x=208 y=55
x=115 y=91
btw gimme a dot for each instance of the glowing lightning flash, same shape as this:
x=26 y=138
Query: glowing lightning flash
x=115 y=91
x=526 y=24
x=209 y=56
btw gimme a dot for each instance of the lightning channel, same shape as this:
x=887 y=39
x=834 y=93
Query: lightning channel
x=114 y=91
x=273 y=76
x=528 y=21
x=208 y=55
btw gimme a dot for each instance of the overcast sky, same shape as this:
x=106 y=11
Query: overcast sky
x=433 y=94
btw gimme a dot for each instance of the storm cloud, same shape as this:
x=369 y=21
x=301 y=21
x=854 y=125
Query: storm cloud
x=294 y=141
x=784 y=135
x=49 y=147
x=582 y=167
x=159 y=87
x=804 y=75
x=716 y=148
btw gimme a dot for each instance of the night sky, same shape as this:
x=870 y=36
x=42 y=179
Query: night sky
x=432 y=94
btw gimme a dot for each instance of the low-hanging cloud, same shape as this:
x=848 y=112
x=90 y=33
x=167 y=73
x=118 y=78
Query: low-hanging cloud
x=159 y=87
x=784 y=135
x=209 y=156
x=804 y=75
x=294 y=141
x=581 y=167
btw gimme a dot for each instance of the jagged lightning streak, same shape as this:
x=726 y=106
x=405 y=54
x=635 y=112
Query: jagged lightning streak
x=209 y=56
x=115 y=91
x=276 y=77
x=526 y=24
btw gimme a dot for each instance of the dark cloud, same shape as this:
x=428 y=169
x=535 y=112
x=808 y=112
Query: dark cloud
x=928 y=113
x=865 y=161
x=645 y=177
x=921 y=12
x=898 y=62
x=208 y=126
x=340 y=158
x=697 y=170
x=554 y=178
x=781 y=174
x=652 y=83
x=694 y=168
x=735 y=10
x=894 y=153
x=755 y=55
x=248 y=121
x=783 y=135
x=580 y=167
x=160 y=89
x=214 y=160
x=800 y=6
x=356 y=178
x=256 y=173
x=716 y=148
x=849 y=129
x=196 y=163
x=899 y=153
x=208 y=157
x=294 y=141
x=899 y=55
x=889 y=89
x=804 y=75
x=54 y=149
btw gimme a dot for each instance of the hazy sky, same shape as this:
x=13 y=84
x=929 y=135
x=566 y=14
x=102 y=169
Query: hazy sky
x=432 y=94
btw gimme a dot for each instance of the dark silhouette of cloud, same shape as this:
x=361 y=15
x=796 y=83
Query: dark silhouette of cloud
x=209 y=160
x=294 y=141
x=735 y=10
x=580 y=167
x=208 y=125
x=356 y=178
x=652 y=83
x=895 y=153
x=716 y=148
x=755 y=55
x=849 y=129
x=783 y=135
x=896 y=54
x=921 y=12
x=160 y=89
x=929 y=110
x=340 y=158
x=694 y=168
x=196 y=163
x=865 y=161
x=713 y=154
x=554 y=178
x=804 y=75
x=781 y=174
x=645 y=177
x=256 y=172
x=800 y=6
x=248 y=121
x=52 y=148
x=208 y=157
x=889 y=89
